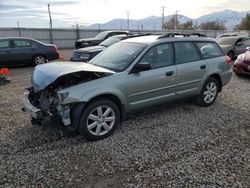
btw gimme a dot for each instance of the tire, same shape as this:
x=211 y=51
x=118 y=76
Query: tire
x=95 y=124
x=208 y=92
x=39 y=59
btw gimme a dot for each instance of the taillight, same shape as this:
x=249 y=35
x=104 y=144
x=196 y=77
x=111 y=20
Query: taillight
x=55 y=49
x=228 y=60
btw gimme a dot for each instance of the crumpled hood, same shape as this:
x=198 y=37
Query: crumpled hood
x=45 y=74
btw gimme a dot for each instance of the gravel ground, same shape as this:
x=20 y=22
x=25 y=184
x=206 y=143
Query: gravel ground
x=178 y=145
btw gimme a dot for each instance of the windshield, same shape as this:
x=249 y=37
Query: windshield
x=227 y=40
x=111 y=40
x=118 y=56
x=102 y=35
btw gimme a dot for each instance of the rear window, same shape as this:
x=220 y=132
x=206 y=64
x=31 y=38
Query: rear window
x=209 y=49
x=22 y=44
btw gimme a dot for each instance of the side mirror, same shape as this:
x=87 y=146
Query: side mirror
x=142 y=66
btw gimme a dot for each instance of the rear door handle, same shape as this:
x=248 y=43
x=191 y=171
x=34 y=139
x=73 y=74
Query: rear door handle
x=169 y=73
x=203 y=66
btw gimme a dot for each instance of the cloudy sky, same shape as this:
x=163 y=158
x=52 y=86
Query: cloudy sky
x=84 y=12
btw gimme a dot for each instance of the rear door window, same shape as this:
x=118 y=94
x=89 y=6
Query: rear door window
x=209 y=49
x=185 y=52
x=4 y=44
x=22 y=44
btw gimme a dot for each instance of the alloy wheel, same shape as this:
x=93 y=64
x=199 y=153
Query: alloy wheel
x=210 y=92
x=101 y=120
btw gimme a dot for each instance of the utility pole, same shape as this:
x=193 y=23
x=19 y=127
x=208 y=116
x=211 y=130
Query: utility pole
x=50 y=25
x=163 y=16
x=77 y=32
x=128 y=20
x=176 y=19
x=19 y=31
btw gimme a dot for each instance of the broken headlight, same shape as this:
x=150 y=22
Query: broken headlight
x=62 y=96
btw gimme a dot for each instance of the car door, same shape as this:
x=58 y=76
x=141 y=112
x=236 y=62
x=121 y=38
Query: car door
x=190 y=69
x=22 y=50
x=241 y=46
x=156 y=85
x=5 y=57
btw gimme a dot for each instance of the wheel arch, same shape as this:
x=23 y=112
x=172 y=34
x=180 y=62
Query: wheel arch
x=113 y=98
x=218 y=78
x=39 y=54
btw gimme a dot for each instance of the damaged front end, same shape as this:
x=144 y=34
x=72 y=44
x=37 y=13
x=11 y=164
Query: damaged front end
x=45 y=101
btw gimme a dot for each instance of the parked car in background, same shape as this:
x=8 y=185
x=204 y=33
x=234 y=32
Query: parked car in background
x=81 y=43
x=234 y=45
x=242 y=64
x=20 y=50
x=130 y=75
x=233 y=34
x=87 y=53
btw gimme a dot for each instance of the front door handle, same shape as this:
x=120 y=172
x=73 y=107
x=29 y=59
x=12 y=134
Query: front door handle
x=203 y=66
x=169 y=73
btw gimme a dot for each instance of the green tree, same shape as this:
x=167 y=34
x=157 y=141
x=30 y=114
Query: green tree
x=170 y=25
x=187 y=26
x=212 y=25
x=244 y=24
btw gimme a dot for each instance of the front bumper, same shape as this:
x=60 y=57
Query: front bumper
x=34 y=112
x=62 y=112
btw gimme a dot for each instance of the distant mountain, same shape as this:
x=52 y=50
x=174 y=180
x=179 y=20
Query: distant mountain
x=229 y=17
x=149 y=23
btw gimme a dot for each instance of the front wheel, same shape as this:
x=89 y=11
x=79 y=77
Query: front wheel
x=208 y=92
x=99 y=119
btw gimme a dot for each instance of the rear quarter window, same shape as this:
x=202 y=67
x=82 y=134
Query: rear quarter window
x=209 y=49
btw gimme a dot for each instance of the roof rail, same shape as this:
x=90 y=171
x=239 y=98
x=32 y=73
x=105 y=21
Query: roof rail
x=168 y=35
x=139 y=35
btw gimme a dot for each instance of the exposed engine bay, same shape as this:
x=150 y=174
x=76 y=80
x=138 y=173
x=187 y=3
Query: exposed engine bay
x=48 y=99
x=74 y=79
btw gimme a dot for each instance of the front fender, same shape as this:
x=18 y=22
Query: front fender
x=88 y=96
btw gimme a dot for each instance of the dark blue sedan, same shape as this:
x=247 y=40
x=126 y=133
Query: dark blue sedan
x=19 y=51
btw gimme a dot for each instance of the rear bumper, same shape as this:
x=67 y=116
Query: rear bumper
x=34 y=112
x=226 y=77
x=241 y=70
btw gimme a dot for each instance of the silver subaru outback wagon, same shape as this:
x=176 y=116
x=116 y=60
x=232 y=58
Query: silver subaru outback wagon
x=92 y=98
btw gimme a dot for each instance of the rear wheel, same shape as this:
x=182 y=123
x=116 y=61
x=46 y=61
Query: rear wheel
x=208 y=92
x=39 y=59
x=99 y=119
